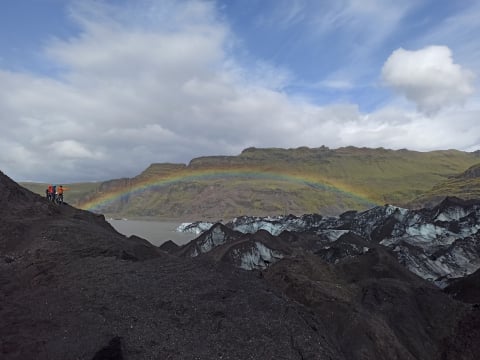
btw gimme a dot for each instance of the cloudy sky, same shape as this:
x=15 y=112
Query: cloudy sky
x=94 y=90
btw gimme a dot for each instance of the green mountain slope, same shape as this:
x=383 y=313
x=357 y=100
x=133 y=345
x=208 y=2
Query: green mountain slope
x=276 y=181
x=465 y=186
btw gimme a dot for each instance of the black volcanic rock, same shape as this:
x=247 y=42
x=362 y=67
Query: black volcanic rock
x=466 y=289
x=69 y=288
x=465 y=343
x=451 y=203
x=347 y=245
x=113 y=351
x=169 y=246
x=217 y=235
x=246 y=251
x=374 y=306
x=252 y=251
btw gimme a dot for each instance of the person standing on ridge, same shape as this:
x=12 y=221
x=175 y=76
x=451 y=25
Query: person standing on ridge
x=50 y=192
x=54 y=192
x=60 y=195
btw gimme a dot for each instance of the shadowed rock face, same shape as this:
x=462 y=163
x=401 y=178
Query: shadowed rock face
x=466 y=289
x=465 y=342
x=376 y=308
x=113 y=351
x=73 y=288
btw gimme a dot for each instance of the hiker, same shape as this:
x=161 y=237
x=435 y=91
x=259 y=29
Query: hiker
x=50 y=192
x=54 y=192
x=60 y=195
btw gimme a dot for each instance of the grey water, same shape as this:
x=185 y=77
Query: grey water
x=156 y=232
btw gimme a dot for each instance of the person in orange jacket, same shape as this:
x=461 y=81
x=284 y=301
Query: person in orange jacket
x=50 y=192
x=60 y=194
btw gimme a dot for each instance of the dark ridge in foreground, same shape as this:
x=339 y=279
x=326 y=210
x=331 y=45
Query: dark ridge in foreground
x=71 y=287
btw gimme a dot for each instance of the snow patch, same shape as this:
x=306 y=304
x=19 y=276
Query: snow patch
x=332 y=235
x=198 y=227
x=451 y=214
x=427 y=232
x=259 y=257
x=215 y=238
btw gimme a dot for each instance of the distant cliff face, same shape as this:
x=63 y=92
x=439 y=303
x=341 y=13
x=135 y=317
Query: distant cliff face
x=161 y=170
x=276 y=181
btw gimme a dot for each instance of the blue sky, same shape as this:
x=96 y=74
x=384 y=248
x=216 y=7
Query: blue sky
x=104 y=88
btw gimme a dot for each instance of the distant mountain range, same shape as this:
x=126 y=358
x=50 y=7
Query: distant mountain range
x=275 y=181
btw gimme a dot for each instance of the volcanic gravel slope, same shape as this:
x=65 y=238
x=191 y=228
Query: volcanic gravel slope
x=71 y=287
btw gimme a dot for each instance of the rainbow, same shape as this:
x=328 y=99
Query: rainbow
x=103 y=199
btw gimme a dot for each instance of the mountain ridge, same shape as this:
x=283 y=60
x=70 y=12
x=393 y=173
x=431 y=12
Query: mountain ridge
x=271 y=181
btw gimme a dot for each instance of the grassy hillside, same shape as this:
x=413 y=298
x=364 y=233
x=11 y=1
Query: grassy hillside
x=225 y=199
x=276 y=181
x=381 y=175
x=465 y=186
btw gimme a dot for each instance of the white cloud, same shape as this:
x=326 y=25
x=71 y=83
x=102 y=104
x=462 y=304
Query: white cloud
x=71 y=149
x=160 y=84
x=336 y=84
x=428 y=77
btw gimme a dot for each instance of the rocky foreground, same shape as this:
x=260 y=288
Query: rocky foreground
x=71 y=287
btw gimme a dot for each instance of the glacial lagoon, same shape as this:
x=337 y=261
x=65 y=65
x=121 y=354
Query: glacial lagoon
x=157 y=232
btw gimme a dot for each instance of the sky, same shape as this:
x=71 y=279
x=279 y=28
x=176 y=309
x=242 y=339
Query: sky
x=96 y=90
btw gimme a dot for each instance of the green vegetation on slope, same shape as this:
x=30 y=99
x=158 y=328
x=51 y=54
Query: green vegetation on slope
x=465 y=186
x=277 y=181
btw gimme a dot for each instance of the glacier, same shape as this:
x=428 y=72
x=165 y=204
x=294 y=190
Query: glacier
x=437 y=244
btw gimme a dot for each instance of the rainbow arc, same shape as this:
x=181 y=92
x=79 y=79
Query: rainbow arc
x=139 y=186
